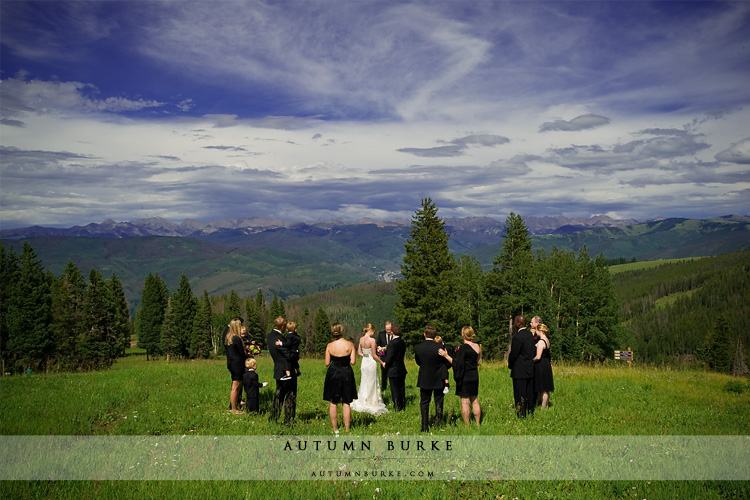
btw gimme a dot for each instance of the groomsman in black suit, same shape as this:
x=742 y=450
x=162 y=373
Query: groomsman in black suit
x=430 y=380
x=521 y=364
x=286 y=385
x=384 y=338
x=395 y=369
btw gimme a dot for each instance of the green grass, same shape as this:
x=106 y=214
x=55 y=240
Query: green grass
x=139 y=397
x=646 y=264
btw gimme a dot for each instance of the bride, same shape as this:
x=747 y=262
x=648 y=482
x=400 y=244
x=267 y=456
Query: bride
x=369 y=400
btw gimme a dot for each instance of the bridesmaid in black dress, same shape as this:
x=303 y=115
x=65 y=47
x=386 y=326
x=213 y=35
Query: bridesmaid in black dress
x=339 y=386
x=466 y=374
x=543 y=383
x=235 y=362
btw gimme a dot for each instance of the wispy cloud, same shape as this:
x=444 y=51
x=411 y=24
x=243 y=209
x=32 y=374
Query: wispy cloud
x=349 y=109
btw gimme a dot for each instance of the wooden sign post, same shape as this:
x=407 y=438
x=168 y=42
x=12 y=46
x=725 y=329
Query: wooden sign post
x=625 y=355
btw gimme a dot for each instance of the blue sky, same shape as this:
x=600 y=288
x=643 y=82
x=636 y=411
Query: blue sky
x=304 y=110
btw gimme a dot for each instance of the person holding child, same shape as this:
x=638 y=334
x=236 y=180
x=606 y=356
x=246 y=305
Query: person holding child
x=285 y=394
x=521 y=364
x=430 y=357
x=252 y=385
x=339 y=386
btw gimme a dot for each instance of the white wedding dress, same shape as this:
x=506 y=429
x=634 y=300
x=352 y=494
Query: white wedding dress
x=369 y=400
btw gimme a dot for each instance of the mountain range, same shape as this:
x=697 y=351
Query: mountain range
x=157 y=226
x=297 y=258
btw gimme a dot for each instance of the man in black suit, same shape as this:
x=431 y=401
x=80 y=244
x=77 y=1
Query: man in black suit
x=430 y=380
x=395 y=369
x=384 y=338
x=286 y=385
x=521 y=364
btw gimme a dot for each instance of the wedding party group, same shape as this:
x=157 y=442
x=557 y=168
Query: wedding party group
x=529 y=362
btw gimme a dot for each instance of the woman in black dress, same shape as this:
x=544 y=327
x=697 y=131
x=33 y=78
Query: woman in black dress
x=543 y=383
x=466 y=374
x=235 y=361
x=339 y=386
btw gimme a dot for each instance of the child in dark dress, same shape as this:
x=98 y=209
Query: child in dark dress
x=251 y=384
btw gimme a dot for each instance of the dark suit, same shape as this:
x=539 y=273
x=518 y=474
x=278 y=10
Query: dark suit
x=430 y=379
x=251 y=384
x=395 y=369
x=383 y=341
x=286 y=390
x=521 y=364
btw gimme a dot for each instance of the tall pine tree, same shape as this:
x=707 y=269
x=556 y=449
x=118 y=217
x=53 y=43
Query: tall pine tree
x=68 y=296
x=510 y=291
x=119 y=316
x=200 y=342
x=30 y=341
x=322 y=331
x=426 y=292
x=154 y=299
x=185 y=307
x=96 y=339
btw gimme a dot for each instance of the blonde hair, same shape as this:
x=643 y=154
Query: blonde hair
x=368 y=327
x=438 y=339
x=337 y=331
x=542 y=328
x=279 y=323
x=291 y=326
x=467 y=333
x=235 y=330
x=250 y=363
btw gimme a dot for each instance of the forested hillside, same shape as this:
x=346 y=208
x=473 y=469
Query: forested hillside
x=671 y=312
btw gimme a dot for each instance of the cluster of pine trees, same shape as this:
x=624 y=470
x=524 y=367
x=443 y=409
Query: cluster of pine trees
x=182 y=326
x=573 y=294
x=64 y=323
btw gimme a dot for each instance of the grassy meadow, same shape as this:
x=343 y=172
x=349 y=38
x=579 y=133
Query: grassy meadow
x=136 y=397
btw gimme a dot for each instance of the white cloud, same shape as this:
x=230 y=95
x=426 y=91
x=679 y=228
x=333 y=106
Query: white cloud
x=736 y=153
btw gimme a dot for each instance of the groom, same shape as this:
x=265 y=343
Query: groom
x=430 y=381
x=395 y=369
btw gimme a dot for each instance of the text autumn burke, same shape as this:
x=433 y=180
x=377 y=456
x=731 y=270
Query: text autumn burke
x=395 y=445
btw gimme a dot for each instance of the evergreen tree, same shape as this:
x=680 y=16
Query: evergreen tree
x=8 y=276
x=276 y=308
x=29 y=340
x=252 y=323
x=426 y=292
x=509 y=290
x=263 y=315
x=716 y=351
x=322 y=331
x=234 y=305
x=184 y=309
x=739 y=366
x=470 y=303
x=306 y=329
x=94 y=343
x=200 y=342
x=119 y=316
x=154 y=299
x=170 y=342
x=68 y=296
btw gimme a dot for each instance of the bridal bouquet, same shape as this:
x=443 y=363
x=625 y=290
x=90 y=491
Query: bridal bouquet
x=381 y=351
